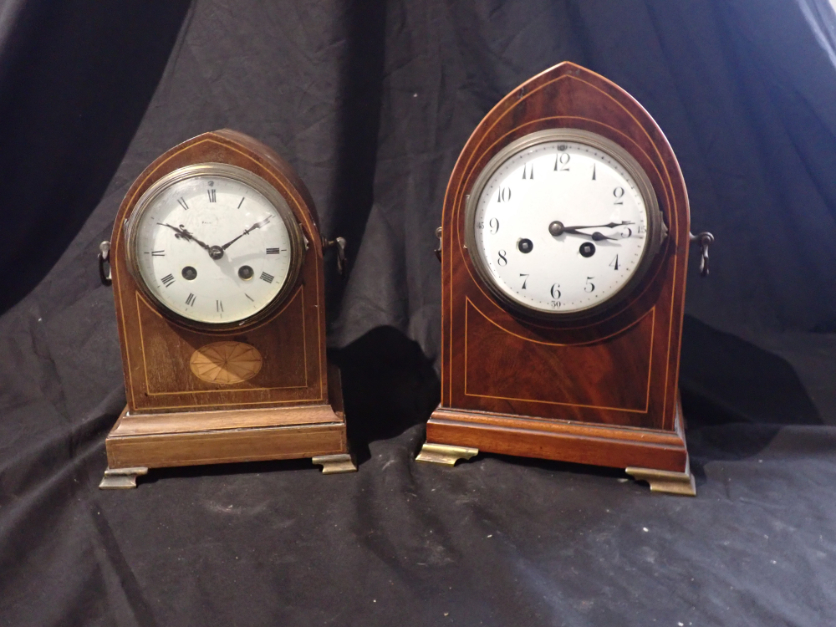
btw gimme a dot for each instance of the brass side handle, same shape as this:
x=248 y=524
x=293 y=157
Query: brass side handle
x=339 y=243
x=104 y=264
x=703 y=240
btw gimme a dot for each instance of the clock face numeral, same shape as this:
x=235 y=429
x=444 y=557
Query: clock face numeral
x=167 y=280
x=581 y=220
x=158 y=253
x=219 y=306
x=190 y=299
x=212 y=195
x=273 y=251
x=240 y=203
x=248 y=296
x=182 y=203
x=267 y=278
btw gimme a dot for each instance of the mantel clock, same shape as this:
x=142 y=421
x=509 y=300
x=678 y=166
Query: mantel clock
x=217 y=270
x=565 y=238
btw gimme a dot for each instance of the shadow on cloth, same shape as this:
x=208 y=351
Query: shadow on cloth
x=388 y=385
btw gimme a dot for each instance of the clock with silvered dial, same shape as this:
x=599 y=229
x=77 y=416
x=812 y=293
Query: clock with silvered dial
x=214 y=245
x=561 y=223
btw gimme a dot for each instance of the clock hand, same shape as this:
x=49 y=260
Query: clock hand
x=611 y=225
x=557 y=228
x=597 y=235
x=255 y=226
x=184 y=234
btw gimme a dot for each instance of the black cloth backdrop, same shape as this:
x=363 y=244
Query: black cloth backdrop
x=371 y=103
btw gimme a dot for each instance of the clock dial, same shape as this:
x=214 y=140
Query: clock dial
x=210 y=247
x=561 y=225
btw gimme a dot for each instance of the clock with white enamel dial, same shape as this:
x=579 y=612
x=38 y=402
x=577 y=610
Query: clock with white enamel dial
x=561 y=223
x=564 y=244
x=214 y=246
x=217 y=267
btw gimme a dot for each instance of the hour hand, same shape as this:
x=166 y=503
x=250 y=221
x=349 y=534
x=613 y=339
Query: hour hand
x=184 y=234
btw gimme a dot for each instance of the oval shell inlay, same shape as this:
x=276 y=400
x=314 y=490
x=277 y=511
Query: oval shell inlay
x=226 y=363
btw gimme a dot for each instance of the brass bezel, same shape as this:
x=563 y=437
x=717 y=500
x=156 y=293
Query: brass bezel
x=656 y=228
x=241 y=175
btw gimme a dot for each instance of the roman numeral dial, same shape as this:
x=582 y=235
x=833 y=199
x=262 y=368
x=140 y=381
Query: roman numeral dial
x=214 y=247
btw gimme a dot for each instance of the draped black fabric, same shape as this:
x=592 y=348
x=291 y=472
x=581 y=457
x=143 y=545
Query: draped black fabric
x=371 y=103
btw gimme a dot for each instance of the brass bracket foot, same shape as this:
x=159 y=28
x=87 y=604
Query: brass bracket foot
x=445 y=453
x=121 y=478
x=681 y=483
x=333 y=464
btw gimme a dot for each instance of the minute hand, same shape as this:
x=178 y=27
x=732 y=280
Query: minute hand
x=611 y=225
x=255 y=226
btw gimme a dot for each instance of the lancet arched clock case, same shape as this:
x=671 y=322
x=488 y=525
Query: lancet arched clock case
x=217 y=270
x=565 y=237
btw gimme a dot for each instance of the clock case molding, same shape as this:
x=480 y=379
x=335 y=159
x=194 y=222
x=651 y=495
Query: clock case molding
x=601 y=390
x=292 y=408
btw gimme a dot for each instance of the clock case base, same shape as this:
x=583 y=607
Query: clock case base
x=141 y=441
x=656 y=456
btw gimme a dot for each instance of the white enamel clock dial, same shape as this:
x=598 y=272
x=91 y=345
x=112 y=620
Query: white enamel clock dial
x=213 y=244
x=562 y=222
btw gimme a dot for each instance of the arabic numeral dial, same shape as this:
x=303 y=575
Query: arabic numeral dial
x=562 y=223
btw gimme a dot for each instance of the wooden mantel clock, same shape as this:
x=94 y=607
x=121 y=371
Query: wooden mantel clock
x=565 y=239
x=217 y=270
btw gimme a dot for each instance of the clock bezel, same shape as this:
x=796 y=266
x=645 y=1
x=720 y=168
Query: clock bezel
x=241 y=175
x=656 y=227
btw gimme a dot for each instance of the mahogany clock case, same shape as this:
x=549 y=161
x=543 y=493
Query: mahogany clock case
x=599 y=390
x=290 y=408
